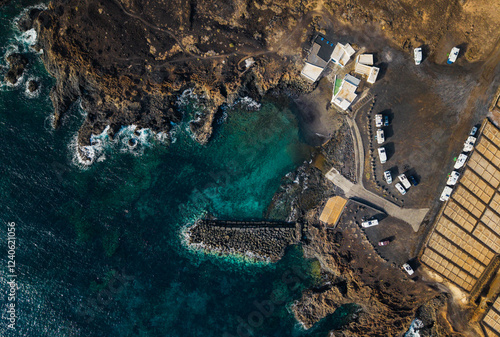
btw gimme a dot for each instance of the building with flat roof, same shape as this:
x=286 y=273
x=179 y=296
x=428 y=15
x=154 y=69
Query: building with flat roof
x=342 y=53
x=344 y=96
x=318 y=58
x=364 y=67
x=332 y=210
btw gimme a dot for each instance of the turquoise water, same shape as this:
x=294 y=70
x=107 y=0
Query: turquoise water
x=100 y=250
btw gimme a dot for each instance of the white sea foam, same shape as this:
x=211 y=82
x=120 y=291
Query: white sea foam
x=28 y=38
x=35 y=93
x=129 y=139
x=246 y=103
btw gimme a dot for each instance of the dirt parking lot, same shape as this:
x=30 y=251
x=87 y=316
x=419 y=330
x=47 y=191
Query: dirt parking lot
x=400 y=235
x=429 y=116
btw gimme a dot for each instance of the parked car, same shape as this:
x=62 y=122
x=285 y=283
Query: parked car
x=384 y=243
x=388 y=177
x=417 y=54
x=453 y=55
x=408 y=269
x=378 y=120
x=400 y=188
x=369 y=223
x=386 y=120
x=413 y=180
x=382 y=155
x=380 y=136
x=402 y=178
x=473 y=131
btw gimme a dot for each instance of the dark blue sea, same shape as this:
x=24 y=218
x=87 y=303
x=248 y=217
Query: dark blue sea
x=99 y=250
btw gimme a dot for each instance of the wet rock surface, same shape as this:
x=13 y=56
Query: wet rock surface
x=17 y=64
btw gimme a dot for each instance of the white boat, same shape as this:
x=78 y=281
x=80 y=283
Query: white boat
x=462 y=158
x=453 y=178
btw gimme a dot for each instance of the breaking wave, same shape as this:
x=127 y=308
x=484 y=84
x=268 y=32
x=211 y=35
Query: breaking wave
x=130 y=139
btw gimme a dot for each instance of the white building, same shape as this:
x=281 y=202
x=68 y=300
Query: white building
x=318 y=58
x=364 y=67
x=342 y=53
x=347 y=92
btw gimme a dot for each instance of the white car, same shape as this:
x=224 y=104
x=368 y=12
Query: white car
x=453 y=178
x=408 y=269
x=382 y=155
x=446 y=193
x=417 y=54
x=378 y=120
x=453 y=55
x=369 y=223
x=388 y=177
x=380 y=136
x=400 y=188
x=462 y=158
x=402 y=178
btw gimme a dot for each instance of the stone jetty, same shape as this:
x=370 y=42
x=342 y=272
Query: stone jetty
x=259 y=240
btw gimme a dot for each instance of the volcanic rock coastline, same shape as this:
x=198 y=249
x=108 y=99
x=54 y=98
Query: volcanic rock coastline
x=127 y=61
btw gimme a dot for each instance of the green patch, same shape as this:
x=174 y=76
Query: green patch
x=338 y=84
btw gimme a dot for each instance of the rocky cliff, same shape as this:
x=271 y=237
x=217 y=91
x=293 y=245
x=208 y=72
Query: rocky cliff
x=126 y=61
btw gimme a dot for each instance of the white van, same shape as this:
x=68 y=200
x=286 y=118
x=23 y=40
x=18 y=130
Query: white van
x=380 y=136
x=402 y=178
x=382 y=155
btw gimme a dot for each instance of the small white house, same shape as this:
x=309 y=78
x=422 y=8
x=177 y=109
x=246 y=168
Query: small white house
x=311 y=72
x=342 y=53
x=364 y=67
x=347 y=92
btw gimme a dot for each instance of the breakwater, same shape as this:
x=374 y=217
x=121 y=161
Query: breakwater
x=261 y=240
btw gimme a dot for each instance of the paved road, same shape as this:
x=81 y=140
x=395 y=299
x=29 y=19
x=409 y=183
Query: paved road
x=412 y=216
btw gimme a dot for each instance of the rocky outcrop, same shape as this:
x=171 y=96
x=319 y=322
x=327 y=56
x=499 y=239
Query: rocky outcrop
x=127 y=62
x=17 y=64
x=33 y=86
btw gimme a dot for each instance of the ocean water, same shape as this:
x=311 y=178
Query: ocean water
x=99 y=249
